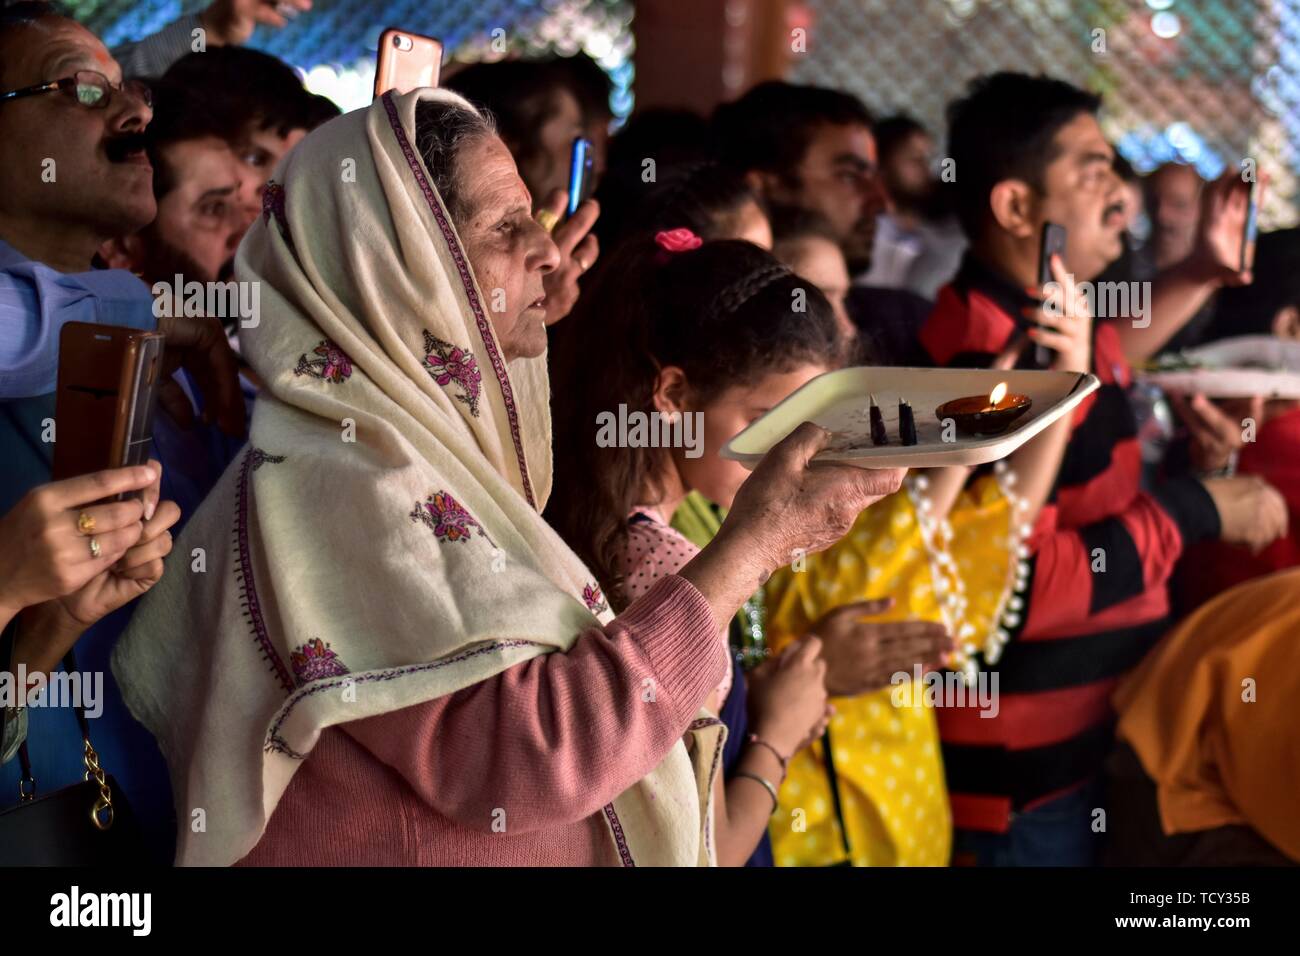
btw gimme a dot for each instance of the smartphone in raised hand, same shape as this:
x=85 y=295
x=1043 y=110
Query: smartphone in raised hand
x=107 y=389
x=580 y=165
x=406 y=61
x=1052 y=243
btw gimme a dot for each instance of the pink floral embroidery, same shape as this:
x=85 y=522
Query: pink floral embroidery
x=314 y=660
x=594 y=600
x=332 y=363
x=447 y=518
x=467 y=280
x=448 y=363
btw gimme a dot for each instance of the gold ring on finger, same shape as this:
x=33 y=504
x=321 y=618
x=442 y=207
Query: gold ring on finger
x=95 y=549
x=547 y=219
x=86 y=523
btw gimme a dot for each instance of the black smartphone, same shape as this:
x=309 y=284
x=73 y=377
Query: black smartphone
x=1251 y=230
x=108 y=382
x=1051 y=244
x=580 y=163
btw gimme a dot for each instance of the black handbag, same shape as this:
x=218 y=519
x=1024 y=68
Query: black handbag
x=87 y=824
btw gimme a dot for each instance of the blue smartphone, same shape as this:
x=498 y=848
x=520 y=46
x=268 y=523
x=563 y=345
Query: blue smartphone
x=580 y=162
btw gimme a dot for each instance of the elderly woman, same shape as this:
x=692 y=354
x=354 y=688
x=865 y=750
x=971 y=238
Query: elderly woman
x=379 y=652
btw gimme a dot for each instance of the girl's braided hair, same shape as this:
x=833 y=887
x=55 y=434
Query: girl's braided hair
x=733 y=297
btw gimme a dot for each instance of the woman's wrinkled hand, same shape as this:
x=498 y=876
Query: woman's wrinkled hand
x=792 y=505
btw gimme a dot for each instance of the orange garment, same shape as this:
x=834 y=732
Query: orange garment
x=1213 y=714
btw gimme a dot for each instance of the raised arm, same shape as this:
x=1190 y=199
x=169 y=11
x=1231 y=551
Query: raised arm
x=1179 y=291
x=552 y=740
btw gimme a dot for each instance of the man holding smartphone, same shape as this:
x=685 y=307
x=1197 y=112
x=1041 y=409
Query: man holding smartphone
x=1029 y=150
x=74 y=173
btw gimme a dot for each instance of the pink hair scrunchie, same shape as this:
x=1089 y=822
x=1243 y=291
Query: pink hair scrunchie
x=678 y=240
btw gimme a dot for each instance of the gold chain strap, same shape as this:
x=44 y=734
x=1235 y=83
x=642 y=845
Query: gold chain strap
x=105 y=800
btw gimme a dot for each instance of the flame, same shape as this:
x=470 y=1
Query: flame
x=999 y=392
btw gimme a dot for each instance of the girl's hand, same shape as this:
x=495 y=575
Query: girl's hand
x=787 y=696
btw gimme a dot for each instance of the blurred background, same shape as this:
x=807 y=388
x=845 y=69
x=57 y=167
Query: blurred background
x=1205 y=82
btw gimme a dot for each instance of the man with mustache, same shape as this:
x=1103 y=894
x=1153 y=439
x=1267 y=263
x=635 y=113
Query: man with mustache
x=203 y=211
x=1029 y=150
x=74 y=173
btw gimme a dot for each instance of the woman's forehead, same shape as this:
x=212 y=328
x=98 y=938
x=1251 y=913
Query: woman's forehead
x=489 y=179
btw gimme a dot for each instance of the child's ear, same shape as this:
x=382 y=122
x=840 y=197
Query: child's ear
x=1286 y=324
x=671 y=390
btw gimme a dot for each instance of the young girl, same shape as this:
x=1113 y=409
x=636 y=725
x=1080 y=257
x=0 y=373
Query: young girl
x=710 y=335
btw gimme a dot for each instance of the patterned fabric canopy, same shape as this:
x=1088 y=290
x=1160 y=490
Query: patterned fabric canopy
x=1207 y=82
x=334 y=44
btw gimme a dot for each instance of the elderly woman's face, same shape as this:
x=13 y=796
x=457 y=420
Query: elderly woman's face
x=508 y=250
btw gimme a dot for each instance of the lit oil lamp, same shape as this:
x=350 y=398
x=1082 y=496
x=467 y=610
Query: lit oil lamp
x=981 y=415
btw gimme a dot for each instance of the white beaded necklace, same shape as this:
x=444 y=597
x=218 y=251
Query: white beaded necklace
x=951 y=589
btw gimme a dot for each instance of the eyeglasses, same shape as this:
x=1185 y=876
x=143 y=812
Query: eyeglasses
x=92 y=90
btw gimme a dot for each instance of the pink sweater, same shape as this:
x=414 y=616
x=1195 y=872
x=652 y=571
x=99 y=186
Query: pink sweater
x=549 y=742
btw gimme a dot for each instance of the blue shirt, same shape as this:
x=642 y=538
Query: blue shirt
x=35 y=303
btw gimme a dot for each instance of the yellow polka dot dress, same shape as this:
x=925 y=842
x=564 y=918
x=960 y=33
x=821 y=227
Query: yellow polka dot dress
x=886 y=751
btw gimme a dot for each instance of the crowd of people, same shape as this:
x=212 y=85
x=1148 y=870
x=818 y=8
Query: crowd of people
x=404 y=608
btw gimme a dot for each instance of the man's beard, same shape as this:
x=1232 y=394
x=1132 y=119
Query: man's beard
x=163 y=261
x=857 y=246
x=913 y=199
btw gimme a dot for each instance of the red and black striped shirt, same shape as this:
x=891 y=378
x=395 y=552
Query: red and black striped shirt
x=1081 y=629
